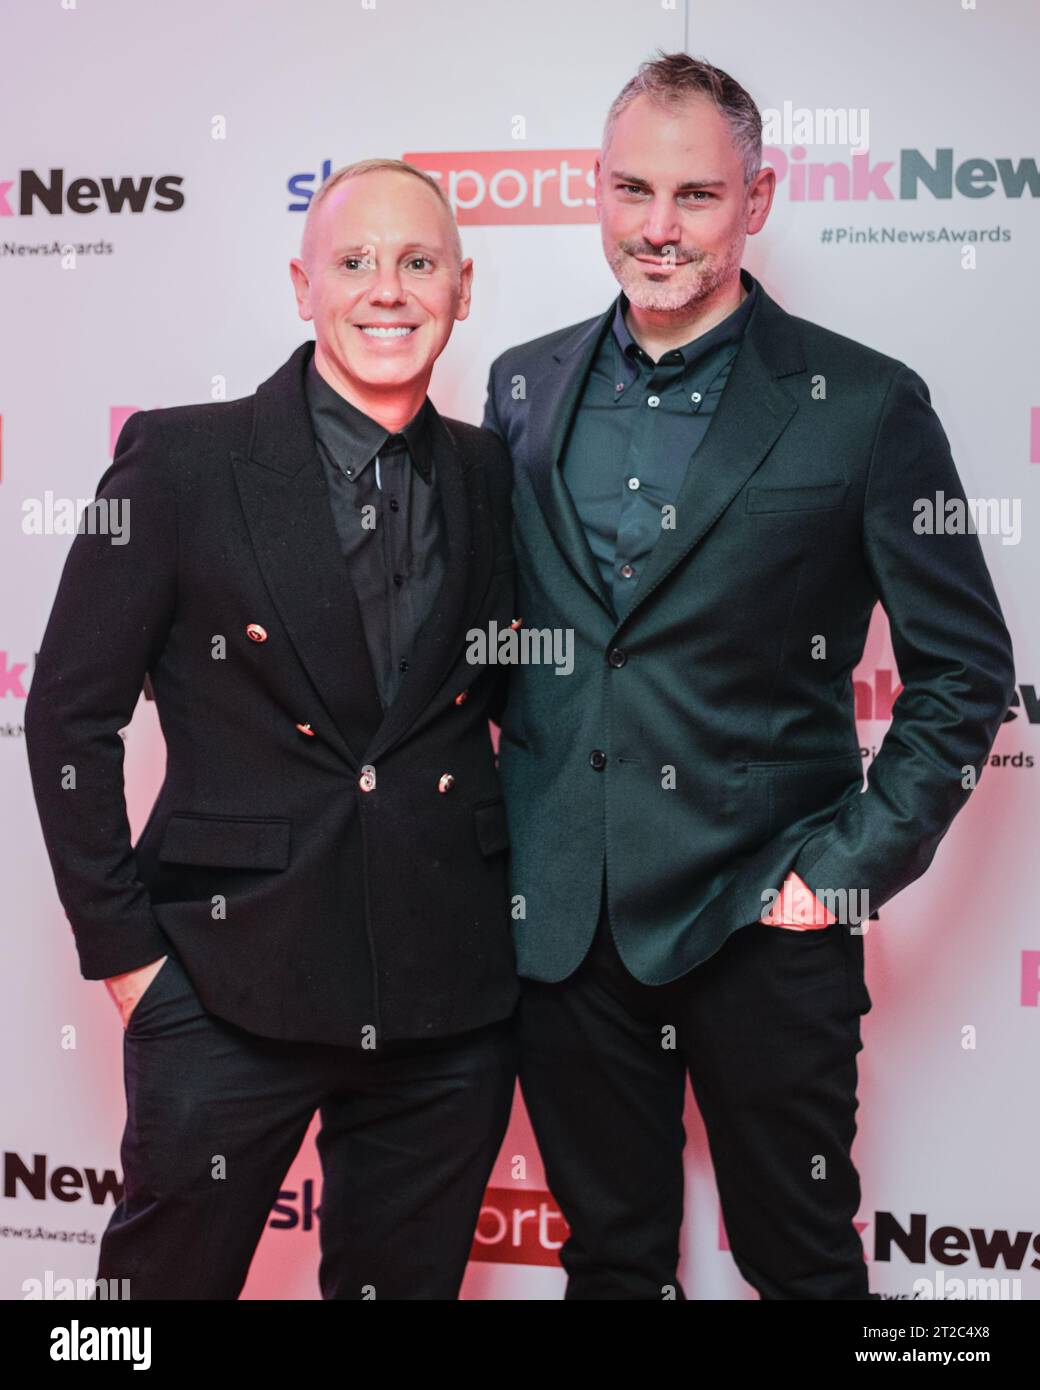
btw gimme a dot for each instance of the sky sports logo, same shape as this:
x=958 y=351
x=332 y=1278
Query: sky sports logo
x=54 y=194
x=555 y=187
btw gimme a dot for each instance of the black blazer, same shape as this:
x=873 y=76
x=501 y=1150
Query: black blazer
x=706 y=741
x=302 y=906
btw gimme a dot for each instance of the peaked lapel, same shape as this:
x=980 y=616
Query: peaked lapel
x=752 y=413
x=468 y=524
x=286 y=505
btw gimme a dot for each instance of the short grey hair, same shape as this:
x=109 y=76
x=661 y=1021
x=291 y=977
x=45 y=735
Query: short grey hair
x=370 y=166
x=672 y=78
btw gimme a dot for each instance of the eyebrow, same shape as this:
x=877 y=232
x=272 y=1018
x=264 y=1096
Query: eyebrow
x=412 y=246
x=622 y=177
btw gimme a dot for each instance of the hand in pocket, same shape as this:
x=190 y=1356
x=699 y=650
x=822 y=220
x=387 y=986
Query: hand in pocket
x=128 y=990
x=798 y=908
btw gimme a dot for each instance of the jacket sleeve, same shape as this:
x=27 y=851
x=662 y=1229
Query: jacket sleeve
x=113 y=610
x=954 y=656
x=500 y=484
x=491 y=421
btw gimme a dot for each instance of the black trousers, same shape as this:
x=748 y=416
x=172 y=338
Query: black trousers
x=768 y=1030
x=215 y=1116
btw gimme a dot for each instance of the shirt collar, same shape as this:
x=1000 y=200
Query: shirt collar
x=730 y=330
x=353 y=438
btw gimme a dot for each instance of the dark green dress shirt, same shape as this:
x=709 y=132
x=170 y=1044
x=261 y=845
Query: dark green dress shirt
x=637 y=425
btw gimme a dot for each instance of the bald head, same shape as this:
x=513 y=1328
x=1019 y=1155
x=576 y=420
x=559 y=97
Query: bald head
x=357 y=180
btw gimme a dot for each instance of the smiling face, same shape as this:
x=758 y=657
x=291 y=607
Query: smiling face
x=379 y=275
x=673 y=207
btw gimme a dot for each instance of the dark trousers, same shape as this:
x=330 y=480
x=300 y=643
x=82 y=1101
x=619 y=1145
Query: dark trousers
x=768 y=1030
x=215 y=1116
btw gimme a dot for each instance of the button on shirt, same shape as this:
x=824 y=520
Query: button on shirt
x=636 y=428
x=387 y=511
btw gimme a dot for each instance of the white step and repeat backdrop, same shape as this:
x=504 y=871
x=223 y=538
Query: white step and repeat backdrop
x=918 y=235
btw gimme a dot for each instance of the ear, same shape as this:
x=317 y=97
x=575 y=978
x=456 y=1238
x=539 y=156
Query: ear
x=760 y=199
x=465 y=288
x=595 y=188
x=302 y=287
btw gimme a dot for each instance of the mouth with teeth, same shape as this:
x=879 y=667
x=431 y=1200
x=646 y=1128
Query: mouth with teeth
x=387 y=332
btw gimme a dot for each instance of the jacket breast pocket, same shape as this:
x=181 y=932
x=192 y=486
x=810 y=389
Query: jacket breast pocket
x=227 y=842
x=817 y=498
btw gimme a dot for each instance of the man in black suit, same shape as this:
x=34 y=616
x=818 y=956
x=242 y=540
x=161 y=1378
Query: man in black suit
x=315 y=915
x=713 y=495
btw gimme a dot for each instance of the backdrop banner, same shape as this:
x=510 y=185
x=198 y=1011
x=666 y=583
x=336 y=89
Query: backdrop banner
x=155 y=166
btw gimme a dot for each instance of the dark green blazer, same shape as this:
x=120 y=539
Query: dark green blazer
x=705 y=743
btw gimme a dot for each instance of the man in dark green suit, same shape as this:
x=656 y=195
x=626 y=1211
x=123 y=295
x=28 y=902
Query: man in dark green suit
x=711 y=496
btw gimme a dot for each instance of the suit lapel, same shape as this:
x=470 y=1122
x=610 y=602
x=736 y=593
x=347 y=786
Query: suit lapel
x=286 y=505
x=468 y=524
x=557 y=399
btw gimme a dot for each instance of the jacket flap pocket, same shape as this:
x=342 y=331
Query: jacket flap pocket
x=230 y=843
x=492 y=827
x=819 y=497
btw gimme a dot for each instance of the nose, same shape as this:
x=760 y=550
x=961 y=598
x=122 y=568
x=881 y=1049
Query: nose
x=386 y=286
x=661 y=228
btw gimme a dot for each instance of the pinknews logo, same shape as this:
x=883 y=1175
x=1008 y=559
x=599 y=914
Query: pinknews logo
x=856 y=179
x=952 y=1245
x=64 y=1183
x=11 y=683
x=53 y=196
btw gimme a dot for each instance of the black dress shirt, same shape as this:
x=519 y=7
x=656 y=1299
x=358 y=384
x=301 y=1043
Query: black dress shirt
x=386 y=506
x=638 y=424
